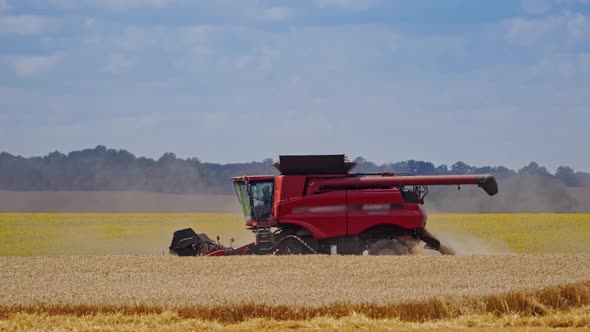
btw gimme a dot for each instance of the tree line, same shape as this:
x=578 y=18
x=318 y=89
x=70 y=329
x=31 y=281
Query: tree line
x=110 y=169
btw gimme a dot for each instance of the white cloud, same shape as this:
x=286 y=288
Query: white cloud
x=536 y=6
x=569 y=28
x=89 y=21
x=570 y=67
x=195 y=35
x=579 y=27
x=119 y=63
x=24 y=24
x=214 y=121
x=28 y=66
x=277 y=14
x=115 y=5
x=137 y=39
x=569 y=2
x=345 y=4
x=3 y=4
x=270 y=56
x=131 y=4
x=135 y=122
x=263 y=61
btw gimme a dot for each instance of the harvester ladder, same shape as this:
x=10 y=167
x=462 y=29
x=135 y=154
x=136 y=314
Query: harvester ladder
x=264 y=236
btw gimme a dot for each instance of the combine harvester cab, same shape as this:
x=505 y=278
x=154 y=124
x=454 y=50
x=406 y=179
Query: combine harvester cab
x=316 y=206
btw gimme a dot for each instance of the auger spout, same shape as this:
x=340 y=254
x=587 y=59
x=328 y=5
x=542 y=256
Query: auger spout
x=486 y=181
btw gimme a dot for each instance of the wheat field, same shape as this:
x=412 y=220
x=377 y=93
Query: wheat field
x=234 y=291
x=57 y=234
x=570 y=319
x=514 y=233
x=112 y=272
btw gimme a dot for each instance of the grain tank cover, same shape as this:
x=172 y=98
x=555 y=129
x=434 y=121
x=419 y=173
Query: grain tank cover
x=314 y=164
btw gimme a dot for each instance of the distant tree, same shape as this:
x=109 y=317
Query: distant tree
x=102 y=168
x=442 y=170
x=364 y=166
x=167 y=157
x=534 y=169
x=566 y=175
x=55 y=156
x=414 y=167
x=483 y=170
x=502 y=172
x=461 y=168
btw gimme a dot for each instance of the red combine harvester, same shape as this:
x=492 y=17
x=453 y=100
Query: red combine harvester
x=315 y=206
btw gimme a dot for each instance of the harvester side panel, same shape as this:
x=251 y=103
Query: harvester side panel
x=323 y=216
x=372 y=207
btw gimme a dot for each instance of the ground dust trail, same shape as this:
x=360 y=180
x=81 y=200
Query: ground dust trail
x=466 y=244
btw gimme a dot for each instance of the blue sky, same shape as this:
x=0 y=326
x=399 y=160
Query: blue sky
x=501 y=82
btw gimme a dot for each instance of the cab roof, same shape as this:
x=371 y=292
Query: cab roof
x=253 y=178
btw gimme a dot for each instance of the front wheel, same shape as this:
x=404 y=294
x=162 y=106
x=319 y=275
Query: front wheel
x=388 y=247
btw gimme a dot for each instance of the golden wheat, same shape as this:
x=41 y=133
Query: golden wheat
x=237 y=288
x=171 y=321
x=277 y=280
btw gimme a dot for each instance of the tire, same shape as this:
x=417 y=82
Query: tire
x=388 y=248
x=290 y=247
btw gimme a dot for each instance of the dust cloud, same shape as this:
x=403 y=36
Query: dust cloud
x=518 y=194
x=466 y=244
x=463 y=244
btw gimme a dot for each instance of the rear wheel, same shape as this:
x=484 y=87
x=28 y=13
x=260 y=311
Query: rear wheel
x=290 y=246
x=391 y=247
